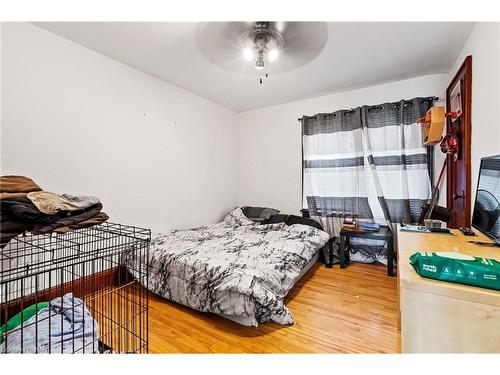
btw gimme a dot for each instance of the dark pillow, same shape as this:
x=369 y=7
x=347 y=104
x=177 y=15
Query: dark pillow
x=292 y=219
x=276 y=219
x=259 y=214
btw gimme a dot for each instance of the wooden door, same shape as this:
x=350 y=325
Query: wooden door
x=458 y=196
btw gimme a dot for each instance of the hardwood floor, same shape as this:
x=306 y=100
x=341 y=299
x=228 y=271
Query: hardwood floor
x=335 y=311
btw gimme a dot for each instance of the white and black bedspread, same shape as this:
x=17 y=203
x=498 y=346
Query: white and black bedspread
x=238 y=270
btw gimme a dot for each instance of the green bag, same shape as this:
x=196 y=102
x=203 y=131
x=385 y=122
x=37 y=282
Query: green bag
x=21 y=317
x=458 y=268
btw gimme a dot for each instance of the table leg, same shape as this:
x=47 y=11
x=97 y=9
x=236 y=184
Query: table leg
x=390 y=257
x=329 y=262
x=342 y=252
x=347 y=252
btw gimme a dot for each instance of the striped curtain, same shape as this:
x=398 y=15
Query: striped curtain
x=398 y=158
x=335 y=174
x=368 y=162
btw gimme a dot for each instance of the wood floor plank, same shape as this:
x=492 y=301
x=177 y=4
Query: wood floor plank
x=353 y=310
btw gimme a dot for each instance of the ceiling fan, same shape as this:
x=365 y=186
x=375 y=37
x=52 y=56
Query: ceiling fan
x=260 y=48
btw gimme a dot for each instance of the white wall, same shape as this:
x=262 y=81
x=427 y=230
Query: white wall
x=269 y=139
x=78 y=122
x=484 y=46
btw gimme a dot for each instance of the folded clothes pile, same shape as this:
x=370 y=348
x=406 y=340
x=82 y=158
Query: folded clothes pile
x=24 y=206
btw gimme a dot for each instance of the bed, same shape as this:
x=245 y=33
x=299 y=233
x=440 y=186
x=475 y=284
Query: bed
x=239 y=269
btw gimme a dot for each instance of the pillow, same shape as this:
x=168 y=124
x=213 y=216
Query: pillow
x=292 y=219
x=236 y=218
x=276 y=219
x=259 y=214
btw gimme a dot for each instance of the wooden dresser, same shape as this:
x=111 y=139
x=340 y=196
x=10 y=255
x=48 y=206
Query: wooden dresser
x=442 y=317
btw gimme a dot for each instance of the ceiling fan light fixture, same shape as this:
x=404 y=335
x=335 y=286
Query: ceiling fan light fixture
x=260 y=64
x=266 y=41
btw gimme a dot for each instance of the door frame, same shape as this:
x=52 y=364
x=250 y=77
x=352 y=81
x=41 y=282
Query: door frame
x=465 y=74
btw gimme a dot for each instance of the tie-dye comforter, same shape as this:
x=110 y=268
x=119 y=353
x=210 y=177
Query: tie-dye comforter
x=238 y=270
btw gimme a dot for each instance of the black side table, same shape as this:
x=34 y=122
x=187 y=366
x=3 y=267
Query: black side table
x=384 y=234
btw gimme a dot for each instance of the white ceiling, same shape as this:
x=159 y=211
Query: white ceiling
x=355 y=55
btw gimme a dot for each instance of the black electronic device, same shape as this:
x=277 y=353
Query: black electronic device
x=467 y=231
x=439 y=230
x=486 y=215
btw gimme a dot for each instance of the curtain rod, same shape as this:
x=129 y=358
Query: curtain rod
x=433 y=98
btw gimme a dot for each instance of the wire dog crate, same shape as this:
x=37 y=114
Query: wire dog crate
x=84 y=291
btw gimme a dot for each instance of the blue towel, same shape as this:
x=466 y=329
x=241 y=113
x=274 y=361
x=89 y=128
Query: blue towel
x=70 y=329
